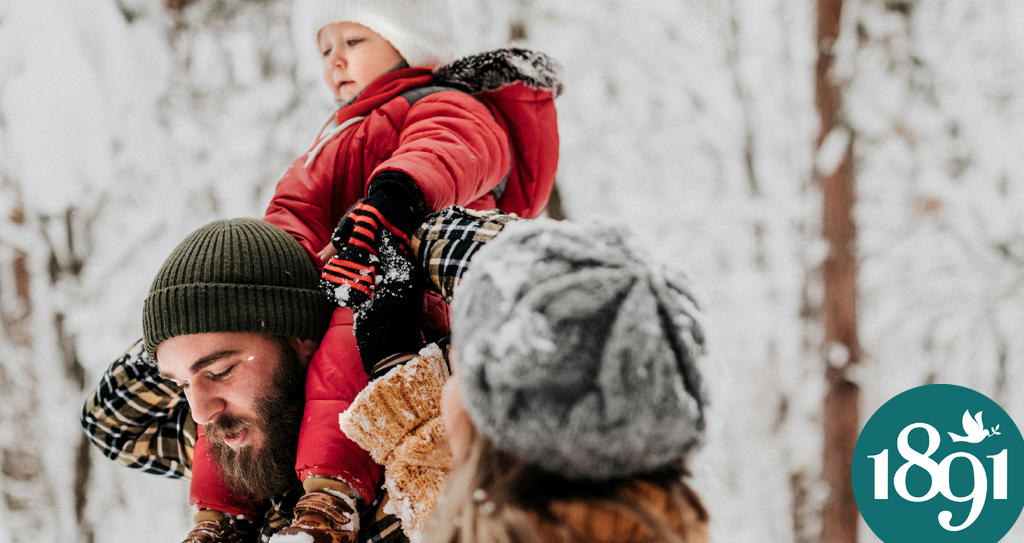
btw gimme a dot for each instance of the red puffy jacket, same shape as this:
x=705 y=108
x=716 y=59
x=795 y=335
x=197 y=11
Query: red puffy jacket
x=496 y=146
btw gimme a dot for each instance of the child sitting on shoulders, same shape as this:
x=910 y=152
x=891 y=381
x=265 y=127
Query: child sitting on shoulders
x=414 y=133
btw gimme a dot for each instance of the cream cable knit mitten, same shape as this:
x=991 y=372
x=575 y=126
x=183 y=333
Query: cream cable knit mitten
x=397 y=420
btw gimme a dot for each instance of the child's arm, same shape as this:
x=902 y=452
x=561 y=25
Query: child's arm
x=445 y=155
x=306 y=202
x=452 y=147
x=447 y=146
x=448 y=150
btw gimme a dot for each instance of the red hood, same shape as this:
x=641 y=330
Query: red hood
x=519 y=87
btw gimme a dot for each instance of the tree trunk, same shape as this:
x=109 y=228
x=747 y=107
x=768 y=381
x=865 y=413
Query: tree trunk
x=839 y=309
x=22 y=473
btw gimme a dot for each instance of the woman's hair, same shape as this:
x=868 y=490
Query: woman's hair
x=494 y=497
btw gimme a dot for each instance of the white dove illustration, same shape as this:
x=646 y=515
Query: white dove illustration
x=974 y=429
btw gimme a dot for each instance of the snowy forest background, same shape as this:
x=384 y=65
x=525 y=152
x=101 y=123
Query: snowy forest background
x=125 y=124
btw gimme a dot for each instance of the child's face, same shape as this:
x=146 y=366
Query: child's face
x=354 y=56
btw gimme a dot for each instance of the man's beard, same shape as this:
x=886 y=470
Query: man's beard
x=259 y=475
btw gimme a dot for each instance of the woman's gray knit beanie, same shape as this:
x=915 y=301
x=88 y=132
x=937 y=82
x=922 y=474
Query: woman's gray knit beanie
x=579 y=354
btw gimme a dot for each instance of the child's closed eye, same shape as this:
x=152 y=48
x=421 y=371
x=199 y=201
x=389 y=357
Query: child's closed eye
x=355 y=41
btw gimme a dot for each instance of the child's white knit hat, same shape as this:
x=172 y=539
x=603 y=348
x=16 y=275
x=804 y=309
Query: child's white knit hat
x=421 y=30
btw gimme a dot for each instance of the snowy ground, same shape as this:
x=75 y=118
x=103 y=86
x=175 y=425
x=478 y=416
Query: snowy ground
x=123 y=126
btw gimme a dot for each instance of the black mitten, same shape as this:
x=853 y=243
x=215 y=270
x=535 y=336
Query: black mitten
x=389 y=324
x=393 y=204
x=348 y=278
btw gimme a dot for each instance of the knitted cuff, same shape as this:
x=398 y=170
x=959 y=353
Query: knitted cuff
x=388 y=363
x=392 y=407
x=399 y=199
x=389 y=327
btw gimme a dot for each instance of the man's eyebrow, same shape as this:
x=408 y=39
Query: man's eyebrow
x=203 y=362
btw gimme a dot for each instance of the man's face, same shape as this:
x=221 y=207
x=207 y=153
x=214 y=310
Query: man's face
x=247 y=390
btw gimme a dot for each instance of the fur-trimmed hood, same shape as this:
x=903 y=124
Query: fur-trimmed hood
x=495 y=69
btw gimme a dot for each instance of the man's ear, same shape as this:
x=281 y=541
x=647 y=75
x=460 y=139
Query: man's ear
x=304 y=348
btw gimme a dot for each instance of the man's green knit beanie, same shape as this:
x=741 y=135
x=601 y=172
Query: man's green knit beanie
x=237 y=275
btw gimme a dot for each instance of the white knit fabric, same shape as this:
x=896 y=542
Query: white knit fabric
x=421 y=30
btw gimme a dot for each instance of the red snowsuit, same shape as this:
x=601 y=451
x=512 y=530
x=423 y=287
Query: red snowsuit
x=456 y=147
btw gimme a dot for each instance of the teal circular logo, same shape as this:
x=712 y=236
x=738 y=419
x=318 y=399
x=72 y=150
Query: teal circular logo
x=939 y=463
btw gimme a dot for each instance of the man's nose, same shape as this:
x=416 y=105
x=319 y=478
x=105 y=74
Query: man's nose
x=205 y=406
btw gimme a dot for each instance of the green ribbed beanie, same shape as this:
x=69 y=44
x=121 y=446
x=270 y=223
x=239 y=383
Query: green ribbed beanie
x=236 y=275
